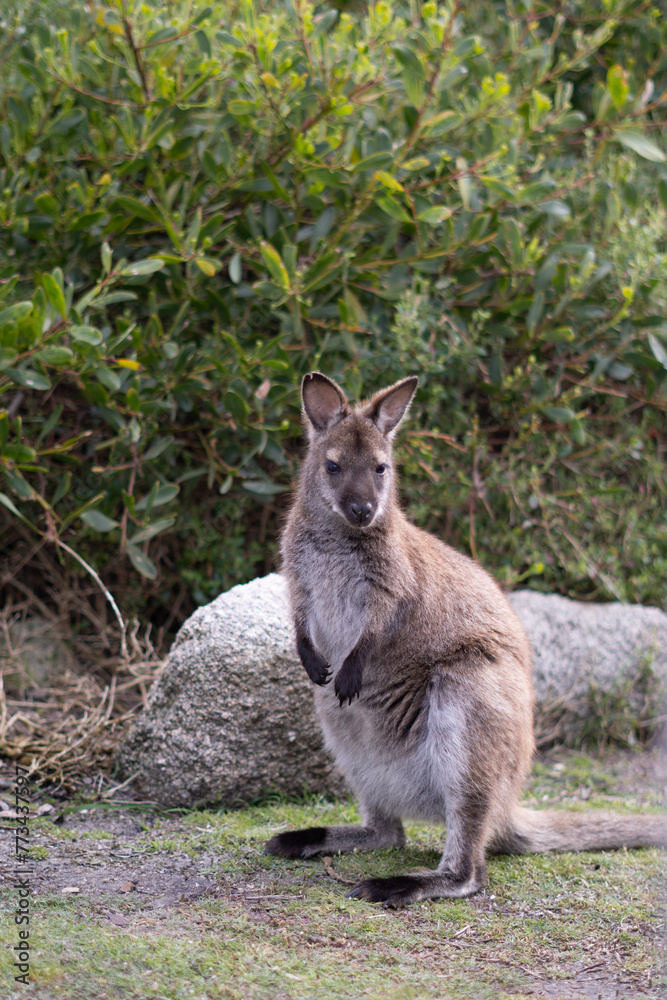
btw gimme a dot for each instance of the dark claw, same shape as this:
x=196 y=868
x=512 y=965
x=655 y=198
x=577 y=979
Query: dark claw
x=323 y=677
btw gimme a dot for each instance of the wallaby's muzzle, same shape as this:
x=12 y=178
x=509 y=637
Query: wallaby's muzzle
x=360 y=513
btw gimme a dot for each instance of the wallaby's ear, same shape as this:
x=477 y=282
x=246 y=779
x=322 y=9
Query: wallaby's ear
x=388 y=407
x=323 y=402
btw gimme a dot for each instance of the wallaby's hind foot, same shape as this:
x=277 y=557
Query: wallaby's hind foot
x=401 y=890
x=297 y=843
x=330 y=839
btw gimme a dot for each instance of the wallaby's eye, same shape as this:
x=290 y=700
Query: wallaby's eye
x=381 y=469
x=332 y=468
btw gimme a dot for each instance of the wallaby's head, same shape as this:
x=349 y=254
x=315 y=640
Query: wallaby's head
x=349 y=463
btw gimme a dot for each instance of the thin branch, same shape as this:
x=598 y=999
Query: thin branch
x=103 y=588
x=135 y=52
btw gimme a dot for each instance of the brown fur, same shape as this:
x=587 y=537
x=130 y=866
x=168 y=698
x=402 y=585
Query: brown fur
x=422 y=669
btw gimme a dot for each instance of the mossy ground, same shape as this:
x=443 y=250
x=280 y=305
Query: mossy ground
x=566 y=926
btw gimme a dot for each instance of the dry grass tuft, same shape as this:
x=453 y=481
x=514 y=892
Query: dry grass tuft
x=66 y=723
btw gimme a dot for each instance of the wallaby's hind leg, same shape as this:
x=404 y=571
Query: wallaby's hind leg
x=378 y=831
x=466 y=788
x=461 y=872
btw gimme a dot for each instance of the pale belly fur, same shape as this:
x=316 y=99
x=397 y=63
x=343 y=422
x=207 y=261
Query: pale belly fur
x=398 y=784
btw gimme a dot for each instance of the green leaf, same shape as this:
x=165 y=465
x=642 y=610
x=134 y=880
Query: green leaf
x=434 y=216
x=133 y=400
x=559 y=414
x=262 y=487
x=15 y=313
x=6 y=285
x=19 y=453
x=208 y=266
x=240 y=108
x=47 y=203
x=658 y=350
x=158 y=447
x=535 y=311
x=235 y=268
x=162 y=524
x=62 y=487
x=134 y=207
x=86 y=334
x=29 y=378
x=619 y=371
x=202 y=15
x=409 y=60
x=141 y=267
x=98 y=521
x=7 y=357
x=203 y=43
x=662 y=192
x=388 y=180
x=108 y=378
x=55 y=294
x=464 y=183
x=236 y=405
x=9 y=504
x=577 y=431
x=39 y=307
x=556 y=208
x=512 y=237
x=107 y=255
x=54 y=355
x=376 y=161
x=638 y=143
x=19 y=484
x=416 y=163
x=159 y=495
x=269 y=290
x=275 y=265
x=617 y=85
x=142 y=563
x=393 y=208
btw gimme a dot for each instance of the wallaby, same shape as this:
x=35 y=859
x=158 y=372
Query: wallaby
x=430 y=711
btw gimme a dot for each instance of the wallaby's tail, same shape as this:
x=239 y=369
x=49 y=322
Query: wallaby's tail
x=539 y=831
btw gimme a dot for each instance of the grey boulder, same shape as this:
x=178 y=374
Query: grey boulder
x=230 y=719
x=599 y=670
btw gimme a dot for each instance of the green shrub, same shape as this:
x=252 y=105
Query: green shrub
x=199 y=204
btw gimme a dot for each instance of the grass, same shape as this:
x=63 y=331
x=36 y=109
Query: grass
x=565 y=926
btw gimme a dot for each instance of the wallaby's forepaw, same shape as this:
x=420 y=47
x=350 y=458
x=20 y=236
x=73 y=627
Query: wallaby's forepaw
x=297 y=843
x=347 y=684
x=315 y=665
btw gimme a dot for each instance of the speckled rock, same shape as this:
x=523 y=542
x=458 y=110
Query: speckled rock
x=231 y=719
x=594 y=665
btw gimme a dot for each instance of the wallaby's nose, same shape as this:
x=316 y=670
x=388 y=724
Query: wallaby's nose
x=361 y=512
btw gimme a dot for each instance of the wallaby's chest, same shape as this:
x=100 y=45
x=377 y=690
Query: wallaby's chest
x=337 y=602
